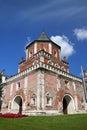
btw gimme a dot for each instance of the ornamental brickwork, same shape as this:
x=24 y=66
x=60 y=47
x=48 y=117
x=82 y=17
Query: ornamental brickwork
x=43 y=84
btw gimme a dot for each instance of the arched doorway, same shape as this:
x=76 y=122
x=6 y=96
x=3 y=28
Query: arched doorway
x=17 y=104
x=68 y=104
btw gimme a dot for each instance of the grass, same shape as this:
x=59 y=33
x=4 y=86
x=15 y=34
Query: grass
x=64 y=122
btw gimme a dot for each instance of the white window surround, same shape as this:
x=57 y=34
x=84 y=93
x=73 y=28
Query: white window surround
x=55 y=53
x=11 y=89
x=50 y=48
x=33 y=101
x=30 y=54
x=49 y=100
x=35 y=48
x=26 y=54
x=17 y=85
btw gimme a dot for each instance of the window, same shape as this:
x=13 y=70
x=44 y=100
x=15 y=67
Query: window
x=33 y=100
x=49 y=100
x=55 y=54
x=17 y=85
x=30 y=54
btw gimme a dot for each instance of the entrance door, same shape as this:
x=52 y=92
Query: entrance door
x=68 y=104
x=17 y=105
x=64 y=106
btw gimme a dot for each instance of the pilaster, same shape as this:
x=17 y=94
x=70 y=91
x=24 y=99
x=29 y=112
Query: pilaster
x=40 y=90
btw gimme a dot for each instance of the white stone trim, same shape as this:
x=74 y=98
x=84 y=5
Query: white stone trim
x=26 y=54
x=11 y=89
x=47 y=67
x=25 y=84
x=58 y=84
x=76 y=103
x=69 y=105
x=42 y=112
x=50 y=48
x=3 y=79
x=14 y=99
x=40 y=90
x=35 y=48
x=42 y=59
x=74 y=86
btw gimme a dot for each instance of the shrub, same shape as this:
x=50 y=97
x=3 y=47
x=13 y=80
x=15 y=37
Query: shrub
x=12 y=115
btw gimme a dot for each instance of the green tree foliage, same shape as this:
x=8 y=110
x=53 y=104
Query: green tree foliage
x=1 y=86
x=1 y=90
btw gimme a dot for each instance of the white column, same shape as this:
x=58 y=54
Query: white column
x=25 y=84
x=76 y=100
x=26 y=54
x=58 y=84
x=11 y=89
x=74 y=86
x=76 y=103
x=25 y=92
x=40 y=90
x=50 y=48
x=35 y=48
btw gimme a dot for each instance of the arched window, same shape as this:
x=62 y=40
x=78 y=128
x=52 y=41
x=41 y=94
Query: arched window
x=49 y=100
x=33 y=100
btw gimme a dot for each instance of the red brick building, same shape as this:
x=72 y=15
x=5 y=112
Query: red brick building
x=43 y=84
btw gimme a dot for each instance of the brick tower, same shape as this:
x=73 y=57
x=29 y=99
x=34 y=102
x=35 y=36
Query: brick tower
x=43 y=84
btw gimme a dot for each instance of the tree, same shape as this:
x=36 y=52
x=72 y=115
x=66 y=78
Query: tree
x=1 y=90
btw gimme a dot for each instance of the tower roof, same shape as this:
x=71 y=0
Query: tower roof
x=43 y=37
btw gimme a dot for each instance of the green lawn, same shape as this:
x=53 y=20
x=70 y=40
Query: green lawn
x=64 y=122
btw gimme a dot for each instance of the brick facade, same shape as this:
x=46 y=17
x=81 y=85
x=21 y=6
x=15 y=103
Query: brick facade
x=43 y=84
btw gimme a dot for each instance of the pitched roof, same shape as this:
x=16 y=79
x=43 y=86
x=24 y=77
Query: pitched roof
x=43 y=37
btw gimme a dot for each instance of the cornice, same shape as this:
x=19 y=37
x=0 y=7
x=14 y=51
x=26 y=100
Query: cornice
x=48 y=67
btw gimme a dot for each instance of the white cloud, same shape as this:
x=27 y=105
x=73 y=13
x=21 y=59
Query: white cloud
x=67 y=48
x=81 y=34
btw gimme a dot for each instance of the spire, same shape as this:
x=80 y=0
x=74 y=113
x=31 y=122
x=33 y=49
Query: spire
x=43 y=37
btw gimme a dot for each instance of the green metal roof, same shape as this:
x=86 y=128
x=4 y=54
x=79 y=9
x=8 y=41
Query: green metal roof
x=43 y=37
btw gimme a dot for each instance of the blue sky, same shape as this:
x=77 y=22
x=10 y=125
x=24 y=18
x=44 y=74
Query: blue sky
x=22 y=21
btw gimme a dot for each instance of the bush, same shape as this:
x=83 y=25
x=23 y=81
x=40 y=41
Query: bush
x=12 y=115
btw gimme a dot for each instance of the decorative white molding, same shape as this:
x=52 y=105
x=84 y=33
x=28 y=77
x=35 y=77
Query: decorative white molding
x=11 y=89
x=58 y=84
x=26 y=54
x=50 y=48
x=76 y=103
x=25 y=84
x=3 y=79
x=35 y=48
x=43 y=66
x=74 y=86
x=40 y=91
x=42 y=59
